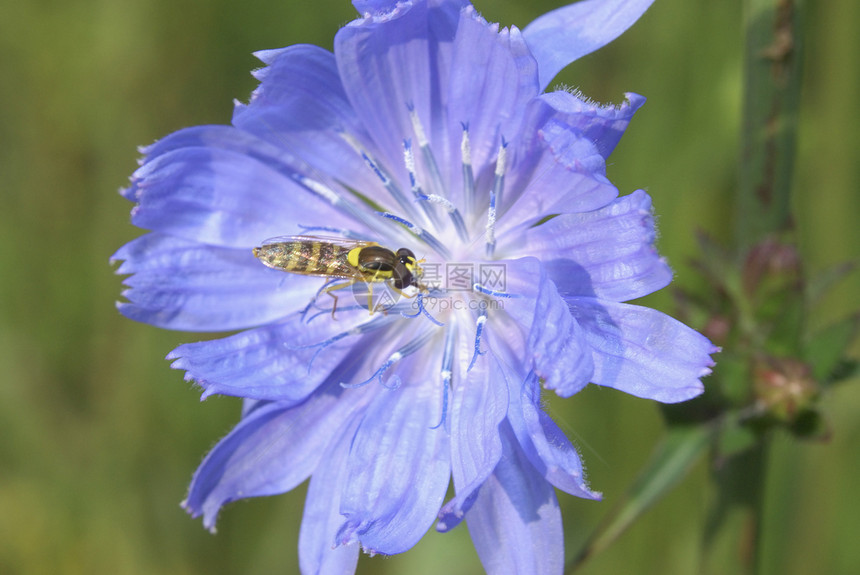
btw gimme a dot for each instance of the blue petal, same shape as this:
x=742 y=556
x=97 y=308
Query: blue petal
x=391 y=62
x=492 y=78
x=555 y=342
x=373 y=6
x=399 y=466
x=270 y=451
x=322 y=518
x=480 y=404
x=601 y=124
x=300 y=105
x=225 y=187
x=281 y=362
x=178 y=284
x=544 y=443
x=561 y=171
x=559 y=37
x=642 y=351
x=607 y=253
x=515 y=523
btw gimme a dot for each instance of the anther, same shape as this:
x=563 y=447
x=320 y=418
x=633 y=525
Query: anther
x=426 y=151
x=422 y=234
x=409 y=161
x=496 y=198
x=386 y=180
x=468 y=176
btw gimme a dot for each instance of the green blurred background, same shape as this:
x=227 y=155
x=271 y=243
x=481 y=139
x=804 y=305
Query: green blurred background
x=98 y=437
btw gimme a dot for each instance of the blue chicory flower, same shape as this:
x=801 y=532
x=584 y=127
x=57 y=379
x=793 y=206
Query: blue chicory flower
x=427 y=128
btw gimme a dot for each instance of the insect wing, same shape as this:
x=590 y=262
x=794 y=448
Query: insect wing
x=342 y=242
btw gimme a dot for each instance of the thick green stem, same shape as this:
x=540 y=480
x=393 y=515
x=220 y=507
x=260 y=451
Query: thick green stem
x=772 y=70
x=772 y=79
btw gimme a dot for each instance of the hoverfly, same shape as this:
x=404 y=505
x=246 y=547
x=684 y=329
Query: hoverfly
x=352 y=260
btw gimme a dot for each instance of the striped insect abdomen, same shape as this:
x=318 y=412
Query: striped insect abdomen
x=307 y=258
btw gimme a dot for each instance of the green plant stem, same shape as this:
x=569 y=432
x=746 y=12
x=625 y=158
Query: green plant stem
x=772 y=75
x=772 y=80
x=733 y=531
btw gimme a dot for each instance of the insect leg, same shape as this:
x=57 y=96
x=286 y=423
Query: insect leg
x=330 y=288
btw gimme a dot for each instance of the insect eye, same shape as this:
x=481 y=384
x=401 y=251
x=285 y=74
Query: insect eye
x=378 y=266
x=376 y=259
x=406 y=256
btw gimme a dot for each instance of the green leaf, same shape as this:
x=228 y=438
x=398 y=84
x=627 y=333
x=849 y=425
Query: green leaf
x=820 y=283
x=736 y=438
x=825 y=349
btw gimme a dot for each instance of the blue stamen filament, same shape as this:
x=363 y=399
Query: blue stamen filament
x=487 y=291
x=377 y=169
x=409 y=160
x=446 y=373
x=496 y=198
x=422 y=310
x=422 y=234
x=324 y=192
x=430 y=161
x=394 y=358
x=372 y=325
x=479 y=331
x=314 y=299
x=426 y=150
x=452 y=210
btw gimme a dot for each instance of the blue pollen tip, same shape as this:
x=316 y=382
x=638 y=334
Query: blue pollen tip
x=422 y=234
x=377 y=374
x=487 y=291
x=422 y=311
x=338 y=231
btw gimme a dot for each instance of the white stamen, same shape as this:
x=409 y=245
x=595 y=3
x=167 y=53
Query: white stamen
x=320 y=189
x=496 y=198
x=417 y=127
x=501 y=160
x=468 y=176
x=439 y=200
x=491 y=230
x=466 y=148
x=409 y=160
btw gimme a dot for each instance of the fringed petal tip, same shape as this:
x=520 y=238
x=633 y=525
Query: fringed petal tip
x=644 y=352
x=208 y=520
x=347 y=534
x=449 y=519
x=373 y=11
x=267 y=56
x=453 y=512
